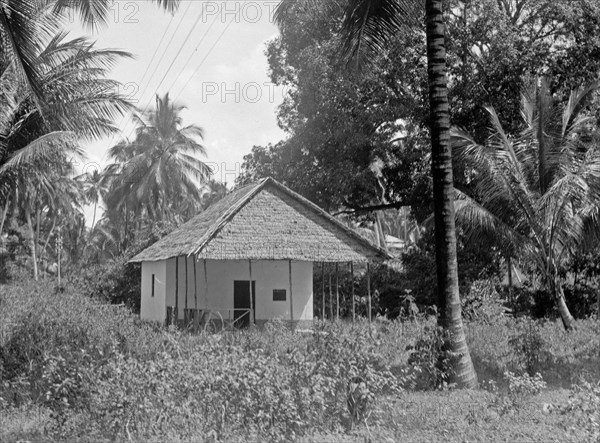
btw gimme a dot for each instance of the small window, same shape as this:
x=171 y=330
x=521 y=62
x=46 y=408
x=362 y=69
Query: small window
x=279 y=295
x=152 y=285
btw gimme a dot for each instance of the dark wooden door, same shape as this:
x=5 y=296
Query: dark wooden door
x=241 y=300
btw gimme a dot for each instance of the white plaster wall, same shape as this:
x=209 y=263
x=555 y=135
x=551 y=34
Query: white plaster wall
x=153 y=308
x=267 y=274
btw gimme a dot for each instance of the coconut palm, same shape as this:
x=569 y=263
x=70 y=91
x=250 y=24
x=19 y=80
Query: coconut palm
x=43 y=190
x=101 y=243
x=35 y=148
x=159 y=172
x=367 y=28
x=25 y=25
x=95 y=185
x=538 y=193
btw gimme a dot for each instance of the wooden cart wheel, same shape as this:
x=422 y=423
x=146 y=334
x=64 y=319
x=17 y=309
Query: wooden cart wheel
x=213 y=322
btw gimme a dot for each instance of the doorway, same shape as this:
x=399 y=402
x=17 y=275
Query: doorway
x=241 y=302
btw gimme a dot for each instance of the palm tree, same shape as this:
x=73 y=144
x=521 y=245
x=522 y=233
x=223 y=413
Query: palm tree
x=26 y=24
x=159 y=172
x=80 y=102
x=367 y=28
x=95 y=186
x=36 y=149
x=43 y=189
x=538 y=193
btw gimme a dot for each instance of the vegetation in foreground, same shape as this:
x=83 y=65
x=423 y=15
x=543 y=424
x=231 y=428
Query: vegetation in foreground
x=73 y=368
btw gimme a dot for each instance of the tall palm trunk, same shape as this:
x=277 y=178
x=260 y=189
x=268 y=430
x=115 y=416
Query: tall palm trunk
x=47 y=242
x=563 y=310
x=450 y=317
x=542 y=106
x=94 y=217
x=555 y=288
x=32 y=243
x=4 y=214
x=37 y=240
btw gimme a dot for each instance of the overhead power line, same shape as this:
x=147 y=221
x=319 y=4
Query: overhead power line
x=203 y=60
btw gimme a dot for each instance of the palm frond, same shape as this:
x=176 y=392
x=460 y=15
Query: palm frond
x=45 y=149
x=480 y=224
x=573 y=105
x=369 y=24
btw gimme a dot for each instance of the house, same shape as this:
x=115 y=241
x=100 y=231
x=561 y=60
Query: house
x=262 y=233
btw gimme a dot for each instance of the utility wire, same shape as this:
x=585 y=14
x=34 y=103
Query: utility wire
x=168 y=44
x=195 y=49
x=141 y=89
x=203 y=60
x=156 y=50
x=171 y=65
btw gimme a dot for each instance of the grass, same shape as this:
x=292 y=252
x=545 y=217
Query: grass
x=73 y=368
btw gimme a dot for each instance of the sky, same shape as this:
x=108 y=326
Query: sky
x=210 y=57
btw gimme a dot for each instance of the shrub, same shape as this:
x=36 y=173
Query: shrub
x=431 y=363
x=102 y=374
x=530 y=351
x=524 y=386
x=475 y=263
x=520 y=388
x=118 y=281
x=483 y=302
x=583 y=411
x=225 y=389
x=582 y=298
x=46 y=335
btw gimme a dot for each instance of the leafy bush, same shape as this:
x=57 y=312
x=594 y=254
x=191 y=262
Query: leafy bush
x=103 y=374
x=582 y=298
x=44 y=336
x=583 y=292
x=527 y=300
x=530 y=352
x=474 y=263
x=583 y=411
x=520 y=388
x=119 y=281
x=523 y=386
x=432 y=365
x=483 y=302
x=226 y=389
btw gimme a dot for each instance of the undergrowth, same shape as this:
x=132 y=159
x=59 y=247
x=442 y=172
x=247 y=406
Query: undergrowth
x=75 y=368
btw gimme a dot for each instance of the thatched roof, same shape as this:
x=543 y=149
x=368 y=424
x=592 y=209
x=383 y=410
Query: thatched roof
x=264 y=221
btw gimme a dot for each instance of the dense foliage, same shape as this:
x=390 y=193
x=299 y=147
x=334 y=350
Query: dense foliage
x=74 y=368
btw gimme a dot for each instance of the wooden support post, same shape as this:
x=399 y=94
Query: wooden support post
x=205 y=287
x=353 y=298
x=195 y=282
x=331 y=317
x=337 y=293
x=252 y=319
x=186 y=283
x=369 y=289
x=176 y=316
x=205 y=282
x=196 y=312
x=323 y=290
x=291 y=298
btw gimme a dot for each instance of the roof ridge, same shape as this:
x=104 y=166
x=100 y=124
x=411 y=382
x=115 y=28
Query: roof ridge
x=231 y=212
